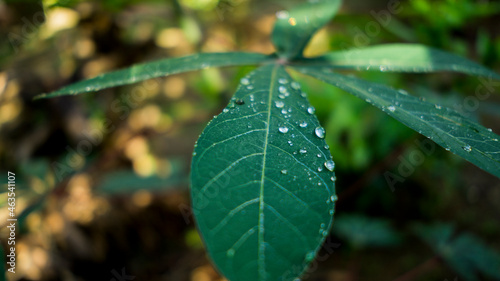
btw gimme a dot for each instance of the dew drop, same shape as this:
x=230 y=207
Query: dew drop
x=282 y=89
x=295 y=85
x=320 y=169
x=467 y=148
x=281 y=96
x=333 y=178
x=331 y=212
x=383 y=68
x=303 y=150
x=403 y=92
x=320 y=132
x=437 y=106
x=225 y=110
x=309 y=257
x=239 y=102
x=230 y=252
x=318 y=155
x=303 y=94
x=391 y=108
x=334 y=198
x=279 y=104
x=330 y=165
x=303 y=124
x=283 y=130
x=245 y=81
x=283 y=111
x=249 y=87
x=290 y=143
x=284 y=172
x=282 y=81
x=327 y=146
x=194 y=153
x=311 y=110
x=490 y=130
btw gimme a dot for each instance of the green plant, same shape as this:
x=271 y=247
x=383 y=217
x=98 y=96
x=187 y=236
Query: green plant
x=262 y=177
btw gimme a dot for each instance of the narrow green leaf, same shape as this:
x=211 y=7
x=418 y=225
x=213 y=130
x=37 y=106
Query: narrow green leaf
x=158 y=68
x=127 y=182
x=465 y=253
x=262 y=181
x=294 y=28
x=361 y=231
x=401 y=58
x=443 y=125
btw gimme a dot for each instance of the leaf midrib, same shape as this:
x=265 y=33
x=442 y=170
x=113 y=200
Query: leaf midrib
x=261 y=257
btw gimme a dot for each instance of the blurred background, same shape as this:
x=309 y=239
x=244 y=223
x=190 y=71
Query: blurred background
x=102 y=178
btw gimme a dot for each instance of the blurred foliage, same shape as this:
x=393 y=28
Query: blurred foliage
x=465 y=253
x=70 y=225
x=2 y=267
x=361 y=231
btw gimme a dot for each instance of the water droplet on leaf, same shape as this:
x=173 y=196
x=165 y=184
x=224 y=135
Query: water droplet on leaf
x=320 y=132
x=330 y=165
x=245 y=81
x=283 y=130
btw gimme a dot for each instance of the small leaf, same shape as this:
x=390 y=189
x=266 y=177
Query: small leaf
x=363 y=231
x=465 y=253
x=158 y=68
x=262 y=181
x=443 y=125
x=402 y=58
x=294 y=28
x=127 y=182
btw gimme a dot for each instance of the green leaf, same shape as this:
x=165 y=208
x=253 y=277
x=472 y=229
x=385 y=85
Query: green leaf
x=294 y=28
x=363 y=231
x=262 y=181
x=158 y=68
x=402 y=58
x=465 y=253
x=127 y=182
x=443 y=125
